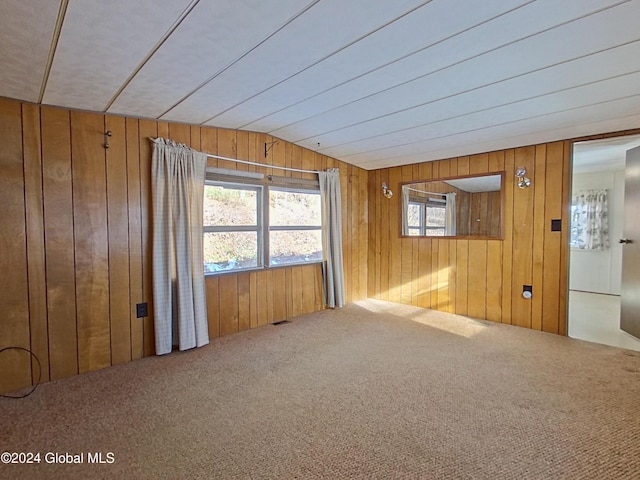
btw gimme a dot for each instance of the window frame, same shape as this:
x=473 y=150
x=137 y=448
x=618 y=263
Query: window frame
x=285 y=228
x=258 y=228
x=263 y=228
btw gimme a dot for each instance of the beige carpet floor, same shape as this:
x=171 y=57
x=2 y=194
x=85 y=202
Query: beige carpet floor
x=374 y=390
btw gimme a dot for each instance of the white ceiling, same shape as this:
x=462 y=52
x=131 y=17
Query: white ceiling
x=607 y=154
x=486 y=183
x=375 y=83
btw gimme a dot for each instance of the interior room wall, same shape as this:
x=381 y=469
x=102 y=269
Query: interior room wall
x=601 y=271
x=74 y=241
x=480 y=278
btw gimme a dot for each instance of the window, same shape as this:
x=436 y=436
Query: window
x=232 y=227
x=295 y=226
x=426 y=214
x=252 y=223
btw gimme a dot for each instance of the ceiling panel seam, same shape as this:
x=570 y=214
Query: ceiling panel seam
x=463 y=92
x=559 y=25
x=62 y=12
x=233 y=62
x=403 y=57
x=501 y=124
x=335 y=52
x=152 y=52
x=477 y=147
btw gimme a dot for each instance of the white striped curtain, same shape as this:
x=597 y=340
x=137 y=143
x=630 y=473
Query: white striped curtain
x=333 y=269
x=179 y=298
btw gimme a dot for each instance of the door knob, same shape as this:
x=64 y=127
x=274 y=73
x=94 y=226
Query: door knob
x=625 y=240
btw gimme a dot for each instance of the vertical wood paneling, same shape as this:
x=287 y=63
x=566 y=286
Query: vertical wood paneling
x=523 y=240
x=261 y=298
x=362 y=234
x=385 y=234
x=507 y=244
x=59 y=242
x=91 y=241
x=424 y=273
x=253 y=300
x=395 y=244
x=308 y=292
x=539 y=227
x=32 y=148
x=135 y=238
x=494 y=280
x=406 y=246
x=477 y=284
x=279 y=295
x=244 y=299
x=296 y=292
x=147 y=129
x=228 y=289
x=373 y=253
x=80 y=223
x=480 y=278
x=444 y=296
x=552 y=240
x=213 y=309
x=118 y=241
x=14 y=327
x=462 y=276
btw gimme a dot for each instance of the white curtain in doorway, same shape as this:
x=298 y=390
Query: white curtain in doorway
x=333 y=270
x=179 y=299
x=590 y=220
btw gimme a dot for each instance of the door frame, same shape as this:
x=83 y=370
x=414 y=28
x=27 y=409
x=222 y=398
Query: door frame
x=567 y=209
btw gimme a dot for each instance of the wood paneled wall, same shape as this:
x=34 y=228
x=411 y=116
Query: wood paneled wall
x=480 y=278
x=75 y=245
x=479 y=214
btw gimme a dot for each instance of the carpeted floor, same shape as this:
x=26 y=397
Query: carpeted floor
x=374 y=390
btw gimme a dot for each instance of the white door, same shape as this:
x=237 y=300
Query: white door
x=630 y=292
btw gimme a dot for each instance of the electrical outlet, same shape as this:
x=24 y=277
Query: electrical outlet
x=141 y=310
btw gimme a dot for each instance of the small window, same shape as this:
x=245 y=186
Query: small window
x=295 y=226
x=232 y=227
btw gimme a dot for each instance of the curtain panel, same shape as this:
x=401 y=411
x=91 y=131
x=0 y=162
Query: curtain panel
x=590 y=220
x=450 y=228
x=333 y=269
x=179 y=298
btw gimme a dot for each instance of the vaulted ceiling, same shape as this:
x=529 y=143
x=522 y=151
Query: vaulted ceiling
x=375 y=83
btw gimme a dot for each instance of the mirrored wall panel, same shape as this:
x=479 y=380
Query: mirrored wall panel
x=456 y=207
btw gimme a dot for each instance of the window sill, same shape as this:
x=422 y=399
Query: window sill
x=259 y=269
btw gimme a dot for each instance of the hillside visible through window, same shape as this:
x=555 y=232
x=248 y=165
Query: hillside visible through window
x=237 y=236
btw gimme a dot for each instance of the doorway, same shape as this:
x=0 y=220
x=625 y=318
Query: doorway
x=595 y=275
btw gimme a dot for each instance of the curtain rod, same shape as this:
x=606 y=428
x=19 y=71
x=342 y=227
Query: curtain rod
x=424 y=191
x=247 y=162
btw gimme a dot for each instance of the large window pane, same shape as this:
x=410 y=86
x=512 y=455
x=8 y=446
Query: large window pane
x=435 y=216
x=230 y=251
x=295 y=246
x=230 y=205
x=288 y=208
